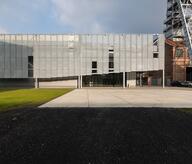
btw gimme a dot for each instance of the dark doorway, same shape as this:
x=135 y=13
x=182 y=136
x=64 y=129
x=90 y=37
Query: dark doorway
x=189 y=74
x=105 y=80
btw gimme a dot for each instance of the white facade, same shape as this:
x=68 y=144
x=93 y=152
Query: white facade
x=72 y=55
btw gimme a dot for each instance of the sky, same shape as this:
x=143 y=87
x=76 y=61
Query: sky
x=82 y=16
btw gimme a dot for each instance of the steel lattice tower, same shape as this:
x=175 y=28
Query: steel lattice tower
x=179 y=22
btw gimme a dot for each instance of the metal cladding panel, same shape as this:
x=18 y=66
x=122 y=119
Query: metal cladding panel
x=60 y=61
x=82 y=55
x=139 y=53
x=13 y=58
x=100 y=54
x=121 y=53
x=71 y=63
x=155 y=64
x=7 y=61
x=72 y=55
x=150 y=52
x=1 y=61
x=145 y=52
x=116 y=53
x=54 y=57
x=22 y=64
x=133 y=52
x=36 y=61
x=94 y=47
x=105 y=54
x=47 y=60
x=128 y=54
x=20 y=52
x=2 y=56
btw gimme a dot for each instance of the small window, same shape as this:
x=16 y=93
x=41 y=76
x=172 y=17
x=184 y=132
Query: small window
x=111 y=70
x=155 y=55
x=111 y=50
x=111 y=60
x=179 y=53
x=30 y=73
x=30 y=66
x=30 y=62
x=94 y=71
x=94 y=64
x=111 y=64
x=111 y=55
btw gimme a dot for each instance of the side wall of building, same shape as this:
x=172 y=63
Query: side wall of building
x=14 y=53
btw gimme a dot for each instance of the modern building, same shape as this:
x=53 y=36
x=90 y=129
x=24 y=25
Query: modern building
x=123 y=60
x=179 y=22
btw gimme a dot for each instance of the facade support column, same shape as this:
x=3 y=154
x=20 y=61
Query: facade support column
x=163 y=78
x=123 y=79
x=81 y=81
x=80 y=85
x=36 y=83
x=140 y=79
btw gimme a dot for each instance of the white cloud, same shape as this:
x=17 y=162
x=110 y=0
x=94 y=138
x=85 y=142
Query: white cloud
x=21 y=11
x=100 y=16
x=3 y=30
x=82 y=15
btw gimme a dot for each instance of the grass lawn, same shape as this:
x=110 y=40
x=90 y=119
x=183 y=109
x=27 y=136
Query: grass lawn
x=187 y=110
x=18 y=98
x=7 y=89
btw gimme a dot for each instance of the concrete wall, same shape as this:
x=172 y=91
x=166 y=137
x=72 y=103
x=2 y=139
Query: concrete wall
x=59 y=84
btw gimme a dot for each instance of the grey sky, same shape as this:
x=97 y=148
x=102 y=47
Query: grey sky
x=82 y=16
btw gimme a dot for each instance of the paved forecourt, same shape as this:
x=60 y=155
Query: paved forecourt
x=117 y=97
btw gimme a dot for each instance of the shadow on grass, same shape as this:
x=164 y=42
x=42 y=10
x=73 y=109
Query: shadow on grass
x=8 y=89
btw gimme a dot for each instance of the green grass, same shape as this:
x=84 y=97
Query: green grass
x=7 y=89
x=19 y=98
x=187 y=110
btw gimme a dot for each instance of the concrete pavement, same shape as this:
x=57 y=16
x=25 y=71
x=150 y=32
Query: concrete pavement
x=138 y=97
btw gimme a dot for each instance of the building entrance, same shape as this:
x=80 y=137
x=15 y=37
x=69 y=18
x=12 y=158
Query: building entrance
x=105 y=80
x=189 y=74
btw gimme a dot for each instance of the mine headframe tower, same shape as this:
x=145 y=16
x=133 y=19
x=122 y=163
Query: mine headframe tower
x=179 y=22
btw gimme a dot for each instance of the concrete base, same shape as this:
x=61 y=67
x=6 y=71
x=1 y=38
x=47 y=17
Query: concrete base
x=59 y=84
x=139 y=97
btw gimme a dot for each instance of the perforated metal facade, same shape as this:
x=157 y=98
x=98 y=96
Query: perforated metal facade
x=72 y=55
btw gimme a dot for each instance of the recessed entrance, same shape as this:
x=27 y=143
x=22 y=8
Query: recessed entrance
x=189 y=74
x=105 y=80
